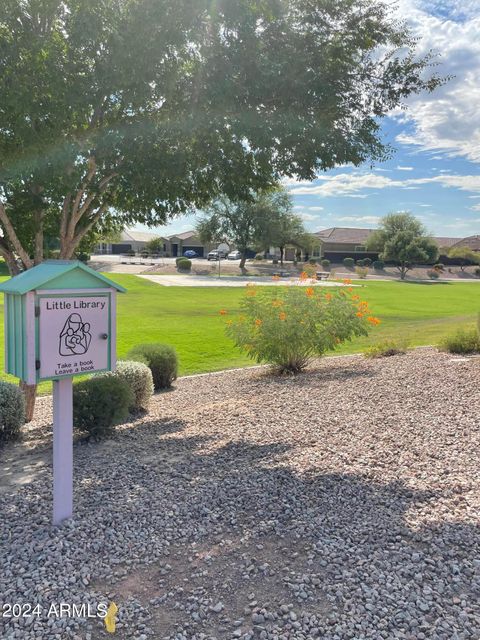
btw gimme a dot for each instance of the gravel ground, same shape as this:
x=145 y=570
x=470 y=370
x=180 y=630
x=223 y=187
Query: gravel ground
x=339 y=504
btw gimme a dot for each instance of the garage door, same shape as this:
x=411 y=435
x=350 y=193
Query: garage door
x=198 y=250
x=121 y=248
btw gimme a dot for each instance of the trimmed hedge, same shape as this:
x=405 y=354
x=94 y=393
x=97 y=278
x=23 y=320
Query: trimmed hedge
x=378 y=265
x=101 y=402
x=139 y=378
x=325 y=263
x=184 y=264
x=162 y=361
x=349 y=263
x=12 y=411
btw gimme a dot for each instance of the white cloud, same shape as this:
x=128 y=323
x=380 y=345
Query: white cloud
x=349 y=185
x=476 y=207
x=307 y=217
x=360 y=219
x=425 y=205
x=404 y=168
x=315 y=208
x=446 y=120
x=289 y=182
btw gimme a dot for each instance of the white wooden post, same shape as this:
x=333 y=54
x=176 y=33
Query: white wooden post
x=62 y=449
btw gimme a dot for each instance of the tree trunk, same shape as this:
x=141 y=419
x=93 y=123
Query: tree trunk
x=38 y=251
x=30 y=393
x=282 y=251
x=241 y=266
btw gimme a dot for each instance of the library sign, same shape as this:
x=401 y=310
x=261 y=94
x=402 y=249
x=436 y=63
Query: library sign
x=60 y=322
x=74 y=335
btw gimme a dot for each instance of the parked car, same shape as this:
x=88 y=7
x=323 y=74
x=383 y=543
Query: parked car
x=190 y=253
x=215 y=255
x=234 y=255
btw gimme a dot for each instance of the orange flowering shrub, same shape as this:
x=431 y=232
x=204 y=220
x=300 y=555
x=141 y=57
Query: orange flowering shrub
x=288 y=326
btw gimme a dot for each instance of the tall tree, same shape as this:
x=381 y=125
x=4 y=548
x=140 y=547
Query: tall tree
x=403 y=239
x=139 y=110
x=248 y=223
x=283 y=227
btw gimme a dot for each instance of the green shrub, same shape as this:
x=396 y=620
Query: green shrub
x=12 y=411
x=259 y=256
x=360 y=263
x=463 y=341
x=287 y=326
x=83 y=256
x=184 y=264
x=101 y=402
x=388 y=347
x=361 y=272
x=139 y=378
x=325 y=263
x=439 y=266
x=367 y=262
x=433 y=274
x=349 y=263
x=162 y=361
x=312 y=261
x=477 y=271
x=378 y=265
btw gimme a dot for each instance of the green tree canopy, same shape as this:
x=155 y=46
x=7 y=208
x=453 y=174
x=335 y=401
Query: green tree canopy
x=465 y=256
x=403 y=239
x=285 y=228
x=139 y=110
x=248 y=223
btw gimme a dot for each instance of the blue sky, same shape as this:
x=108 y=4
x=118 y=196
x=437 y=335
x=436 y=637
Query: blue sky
x=435 y=170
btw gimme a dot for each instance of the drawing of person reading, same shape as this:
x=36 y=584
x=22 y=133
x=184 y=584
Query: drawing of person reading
x=75 y=337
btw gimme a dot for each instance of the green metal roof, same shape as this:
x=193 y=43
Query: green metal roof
x=50 y=270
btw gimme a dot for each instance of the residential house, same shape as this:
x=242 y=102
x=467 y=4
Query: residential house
x=129 y=240
x=178 y=243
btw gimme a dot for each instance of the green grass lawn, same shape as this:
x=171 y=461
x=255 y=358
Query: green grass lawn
x=188 y=318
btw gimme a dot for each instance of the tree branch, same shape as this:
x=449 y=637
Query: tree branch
x=13 y=238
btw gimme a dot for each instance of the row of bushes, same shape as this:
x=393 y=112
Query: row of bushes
x=103 y=400
x=378 y=265
x=107 y=399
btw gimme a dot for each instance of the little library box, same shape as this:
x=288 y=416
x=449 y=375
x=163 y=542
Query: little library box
x=60 y=322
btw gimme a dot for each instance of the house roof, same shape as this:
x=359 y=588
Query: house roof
x=472 y=242
x=183 y=236
x=446 y=242
x=131 y=235
x=47 y=272
x=344 y=235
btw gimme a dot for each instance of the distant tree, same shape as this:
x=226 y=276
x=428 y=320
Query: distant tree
x=155 y=245
x=403 y=239
x=249 y=223
x=465 y=256
x=280 y=225
x=142 y=110
x=309 y=242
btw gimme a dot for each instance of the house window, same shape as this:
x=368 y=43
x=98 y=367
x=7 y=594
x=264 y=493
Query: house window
x=359 y=248
x=316 y=253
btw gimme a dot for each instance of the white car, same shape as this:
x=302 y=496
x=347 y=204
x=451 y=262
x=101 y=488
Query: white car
x=216 y=255
x=234 y=255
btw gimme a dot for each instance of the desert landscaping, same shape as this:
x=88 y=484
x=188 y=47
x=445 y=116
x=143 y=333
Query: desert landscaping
x=340 y=503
